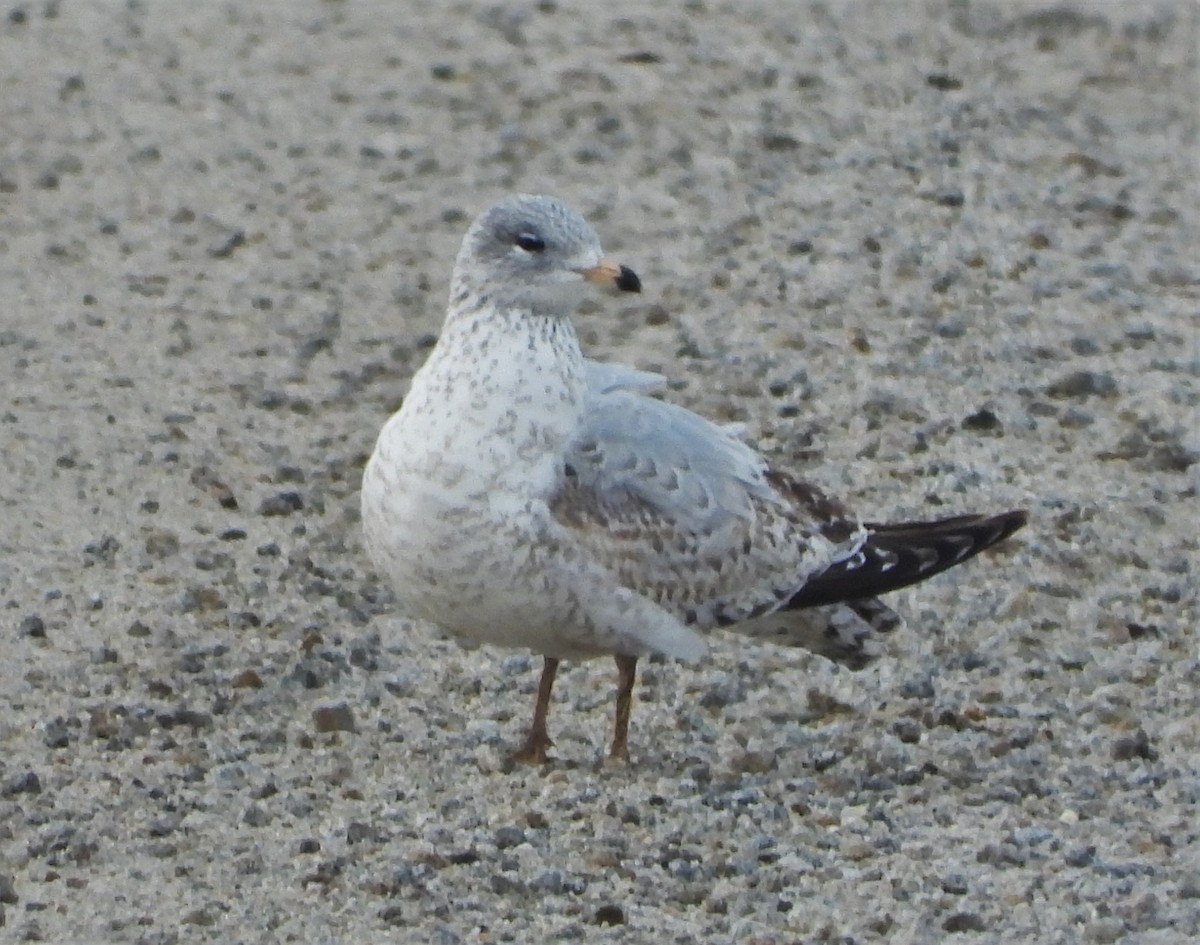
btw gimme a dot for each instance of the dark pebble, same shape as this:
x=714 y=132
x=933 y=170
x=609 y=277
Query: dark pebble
x=907 y=730
x=191 y=660
x=207 y=481
x=309 y=845
x=244 y=620
x=365 y=657
x=282 y=503
x=32 y=626
x=27 y=783
x=911 y=775
x=103 y=654
x=1135 y=745
x=777 y=141
x=983 y=420
x=1002 y=854
x=212 y=560
x=1084 y=384
x=225 y=246
x=56 y=734
x=1081 y=856
x=103 y=549
x=287 y=473
x=1173 y=457
x=943 y=81
x=657 y=315
x=609 y=915
x=729 y=691
x=506 y=885
x=333 y=718
x=165 y=826
x=193 y=719
x=272 y=400
x=315 y=673
x=964 y=922
x=508 y=837
x=247 y=679
x=921 y=688
x=824 y=760
x=643 y=57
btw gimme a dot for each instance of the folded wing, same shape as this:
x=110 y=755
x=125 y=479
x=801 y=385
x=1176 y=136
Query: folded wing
x=686 y=514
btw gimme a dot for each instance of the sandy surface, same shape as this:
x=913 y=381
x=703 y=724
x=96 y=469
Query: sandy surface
x=944 y=256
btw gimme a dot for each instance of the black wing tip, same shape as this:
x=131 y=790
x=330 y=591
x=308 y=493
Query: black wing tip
x=1005 y=524
x=1001 y=524
x=906 y=553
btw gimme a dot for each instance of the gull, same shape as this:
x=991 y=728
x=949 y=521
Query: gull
x=525 y=496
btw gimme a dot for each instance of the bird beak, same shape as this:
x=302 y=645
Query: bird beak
x=608 y=273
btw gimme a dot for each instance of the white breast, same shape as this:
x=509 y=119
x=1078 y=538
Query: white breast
x=467 y=462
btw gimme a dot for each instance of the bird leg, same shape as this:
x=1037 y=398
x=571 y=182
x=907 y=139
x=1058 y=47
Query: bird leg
x=538 y=739
x=626 y=670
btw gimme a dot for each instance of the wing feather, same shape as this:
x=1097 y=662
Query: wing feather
x=686 y=514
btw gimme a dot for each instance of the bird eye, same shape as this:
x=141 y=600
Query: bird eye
x=530 y=242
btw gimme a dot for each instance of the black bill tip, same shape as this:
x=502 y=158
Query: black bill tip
x=628 y=281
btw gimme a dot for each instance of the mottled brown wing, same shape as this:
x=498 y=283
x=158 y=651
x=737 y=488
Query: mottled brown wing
x=717 y=573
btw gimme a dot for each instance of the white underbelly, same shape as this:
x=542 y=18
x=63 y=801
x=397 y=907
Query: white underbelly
x=469 y=563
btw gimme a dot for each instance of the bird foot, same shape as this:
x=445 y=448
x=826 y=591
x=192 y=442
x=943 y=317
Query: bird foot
x=533 y=752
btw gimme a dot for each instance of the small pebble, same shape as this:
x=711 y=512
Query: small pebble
x=282 y=503
x=609 y=915
x=1084 y=384
x=333 y=718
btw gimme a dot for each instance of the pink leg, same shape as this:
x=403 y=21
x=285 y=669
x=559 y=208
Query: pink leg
x=538 y=739
x=626 y=671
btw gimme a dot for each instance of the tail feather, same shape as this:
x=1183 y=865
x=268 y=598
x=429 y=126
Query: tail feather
x=895 y=556
x=850 y=633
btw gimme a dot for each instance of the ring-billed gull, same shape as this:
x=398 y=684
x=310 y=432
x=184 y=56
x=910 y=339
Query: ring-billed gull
x=525 y=496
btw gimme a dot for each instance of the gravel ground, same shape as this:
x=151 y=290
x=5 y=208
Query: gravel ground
x=945 y=256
